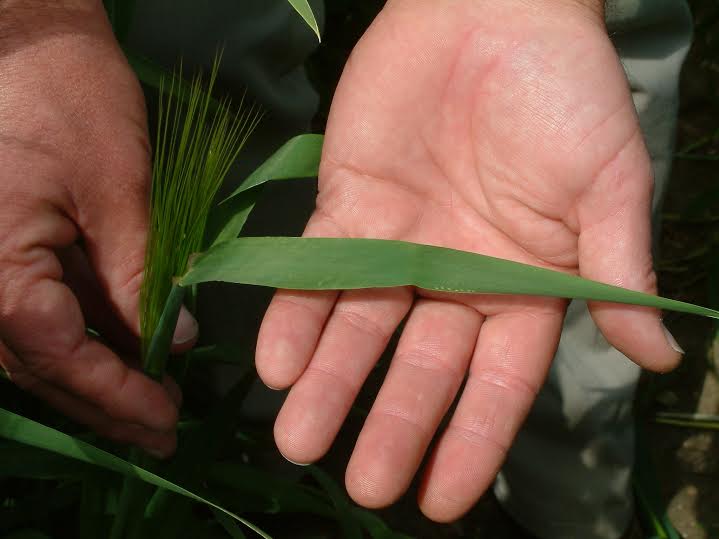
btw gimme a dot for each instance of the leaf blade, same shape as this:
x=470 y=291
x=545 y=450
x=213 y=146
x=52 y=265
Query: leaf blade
x=303 y=8
x=29 y=432
x=343 y=264
x=299 y=157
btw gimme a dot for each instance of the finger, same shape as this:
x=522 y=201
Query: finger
x=79 y=277
x=615 y=248
x=159 y=444
x=173 y=390
x=114 y=229
x=293 y=323
x=354 y=337
x=509 y=365
x=289 y=334
x=426 y=372
x=43 y=325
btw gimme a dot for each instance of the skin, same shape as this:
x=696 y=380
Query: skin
x=74 y=156
x=504 y=128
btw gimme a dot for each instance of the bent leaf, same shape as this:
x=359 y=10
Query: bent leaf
x=305 y=11
x=29 y=432
x=299 y=157
x=343 y=264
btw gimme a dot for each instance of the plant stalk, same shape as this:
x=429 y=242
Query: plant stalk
x=154 y=365
x=159 y=347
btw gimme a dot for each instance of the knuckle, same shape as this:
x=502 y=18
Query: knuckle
x=362 y=323
x=504 y=379
x=430 y=362
x=479 y=435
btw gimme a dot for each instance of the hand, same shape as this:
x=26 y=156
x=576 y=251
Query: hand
x=503 y=128
x=74 y=156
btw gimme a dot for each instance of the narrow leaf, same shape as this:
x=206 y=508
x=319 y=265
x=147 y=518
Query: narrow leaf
x=228 y=524
x=342 y=264
x=26 y=431
x=228 y=219
x=303 y=8
x=351 y=528
x=691 y=421
x=299 y=157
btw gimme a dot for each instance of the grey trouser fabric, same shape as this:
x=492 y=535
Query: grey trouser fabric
x=568 y=474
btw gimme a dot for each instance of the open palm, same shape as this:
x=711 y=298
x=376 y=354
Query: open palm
x=498 y=129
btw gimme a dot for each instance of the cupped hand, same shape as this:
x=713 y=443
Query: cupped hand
x=74 y=160
x=504 y=128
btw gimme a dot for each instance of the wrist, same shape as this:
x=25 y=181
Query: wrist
x=28 y=20
x=593 y=10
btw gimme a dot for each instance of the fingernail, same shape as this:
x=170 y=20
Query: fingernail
x=672 y=341
x=186 y=329
x=293 y=462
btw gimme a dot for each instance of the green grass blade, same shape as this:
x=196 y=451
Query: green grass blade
x=230 y=526
x=691 y=421
x=375 y=526
x=299 y=157
x=159 y=348
x=651 y=509
x=303 y=8
x=228 y=219
x=351 y=528
x=341 y=264
x=269 y=493
x=26 y=431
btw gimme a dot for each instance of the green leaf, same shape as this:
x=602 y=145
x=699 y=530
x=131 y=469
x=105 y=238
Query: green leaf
x=691 y=421
x=305 y=11
x=299 y=157
x=375 y=526
x=26 y=431
x=341 y=264
x=351 y=528
x=228 y=219
x=228 y=524
x=651 y=508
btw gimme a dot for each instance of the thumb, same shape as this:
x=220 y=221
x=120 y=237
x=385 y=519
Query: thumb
x=115 y=234
x=615 y=248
